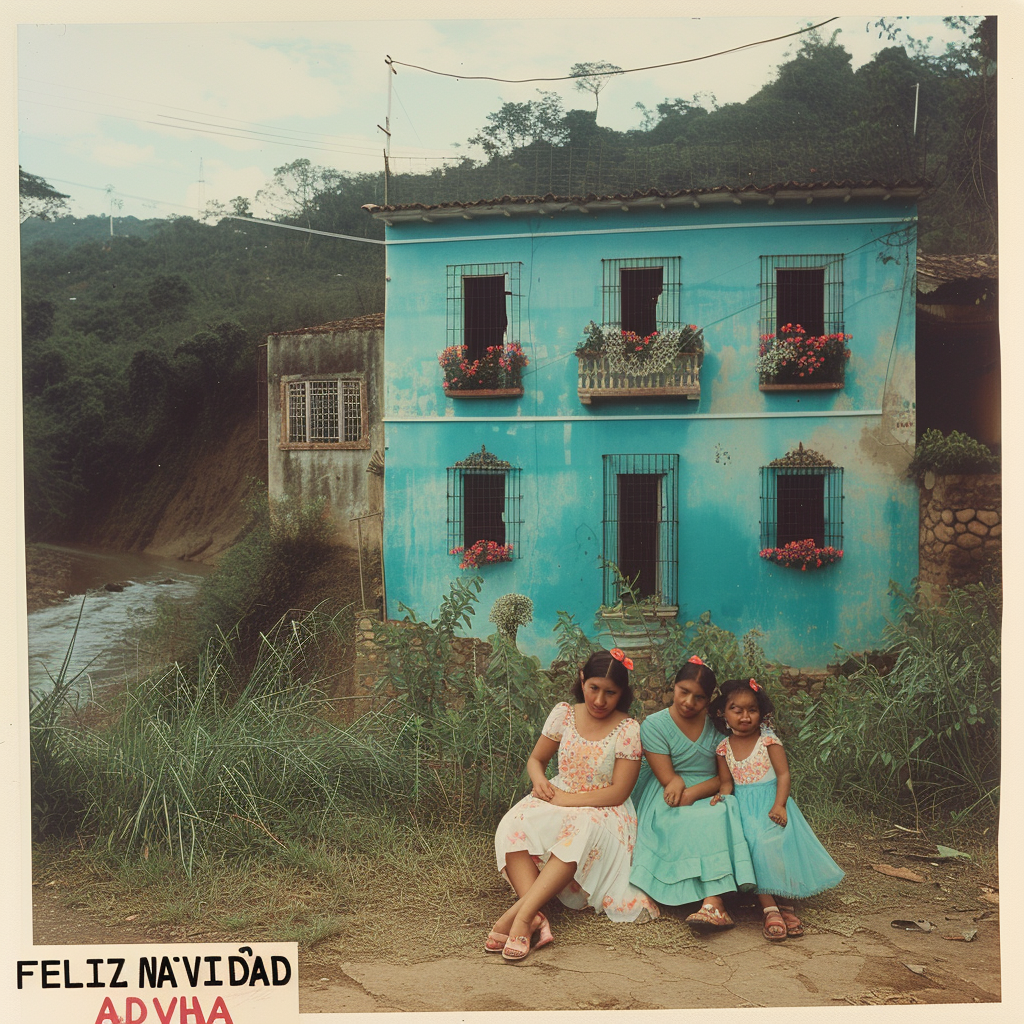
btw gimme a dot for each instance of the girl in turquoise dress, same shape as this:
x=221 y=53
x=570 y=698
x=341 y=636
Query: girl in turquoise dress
x=788 y=858
x=688 y=850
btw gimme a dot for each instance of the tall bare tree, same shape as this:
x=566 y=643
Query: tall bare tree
x=592 y=76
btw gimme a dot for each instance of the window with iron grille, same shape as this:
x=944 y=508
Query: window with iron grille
x=642 y=294
x=326 y=412
x=641 y=526
x=483 y=305
x=798 y=503
x=484 y=501
x=804 y=290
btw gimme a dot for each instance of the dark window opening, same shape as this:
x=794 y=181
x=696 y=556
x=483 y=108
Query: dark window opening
x=639 y=515
x=484 y=507
x=640 y=290
x=641 y=527
x=800 y=299
x=801 y=509
x=485 y=317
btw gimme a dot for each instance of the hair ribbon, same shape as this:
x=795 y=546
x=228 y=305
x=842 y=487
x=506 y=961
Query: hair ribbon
x=754 y=686
x=619 y=655
x=694 y=660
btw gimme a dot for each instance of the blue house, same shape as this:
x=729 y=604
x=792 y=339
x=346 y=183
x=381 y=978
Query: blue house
x=718 y=398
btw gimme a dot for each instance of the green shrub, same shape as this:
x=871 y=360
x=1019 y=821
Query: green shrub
x=955 y=453
x=925 y=735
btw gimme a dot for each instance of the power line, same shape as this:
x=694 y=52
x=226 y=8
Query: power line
x=627 y=71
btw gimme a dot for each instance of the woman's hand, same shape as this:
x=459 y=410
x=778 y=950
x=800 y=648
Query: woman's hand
x=674 y=791
x=688 y=798
x=778 y=815
x=543 y=790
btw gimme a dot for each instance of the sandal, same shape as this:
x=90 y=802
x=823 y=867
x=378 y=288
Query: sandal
x=710 y=918
x=794 y=926
x=543 y=930
x=774 y=929
x=495 y=942
x=516 y=948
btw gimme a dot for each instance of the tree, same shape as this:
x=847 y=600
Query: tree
x=38 y=198
x=516 y=125
x=593 y=76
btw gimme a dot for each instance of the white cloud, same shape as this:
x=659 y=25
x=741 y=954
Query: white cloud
x=122 y=154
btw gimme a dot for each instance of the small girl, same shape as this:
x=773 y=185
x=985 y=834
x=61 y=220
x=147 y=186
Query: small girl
x=788 y=859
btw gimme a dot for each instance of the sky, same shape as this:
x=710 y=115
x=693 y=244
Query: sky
x=158 y=119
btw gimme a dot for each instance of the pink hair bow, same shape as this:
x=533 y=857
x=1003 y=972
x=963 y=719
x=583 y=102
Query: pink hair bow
x=755 y=686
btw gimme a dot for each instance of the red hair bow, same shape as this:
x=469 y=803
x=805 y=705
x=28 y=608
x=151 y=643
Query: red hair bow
x=754 y=685
x=620 y=656
x=694 y=660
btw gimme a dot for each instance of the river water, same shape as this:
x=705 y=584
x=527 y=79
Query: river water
x=106 y=646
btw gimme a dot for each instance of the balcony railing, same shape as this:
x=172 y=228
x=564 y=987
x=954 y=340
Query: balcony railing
x=679 y=379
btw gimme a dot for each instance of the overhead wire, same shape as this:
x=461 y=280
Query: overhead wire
x=617 y=71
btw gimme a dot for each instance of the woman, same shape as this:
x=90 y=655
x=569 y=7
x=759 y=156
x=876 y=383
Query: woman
x=687 y=850
x=573 y=837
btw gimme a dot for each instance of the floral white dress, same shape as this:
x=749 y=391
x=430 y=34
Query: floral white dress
x=599 y=840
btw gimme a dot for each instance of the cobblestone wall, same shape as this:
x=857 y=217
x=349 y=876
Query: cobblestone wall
x=961 y=529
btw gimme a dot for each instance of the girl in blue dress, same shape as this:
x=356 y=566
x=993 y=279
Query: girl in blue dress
x=788 y=859
x=688 y=850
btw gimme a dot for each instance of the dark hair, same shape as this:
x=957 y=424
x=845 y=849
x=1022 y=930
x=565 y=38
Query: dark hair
x=703 y=675
x=601 y=665
x=717 y=707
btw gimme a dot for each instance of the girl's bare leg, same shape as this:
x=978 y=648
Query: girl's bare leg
x=552 y=879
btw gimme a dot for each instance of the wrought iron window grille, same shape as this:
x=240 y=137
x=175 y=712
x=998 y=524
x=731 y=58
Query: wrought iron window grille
x=801 y=498
x=805 y=290
x=483 y=301
x=642 y=294
x=641 y=527
x=484 y=498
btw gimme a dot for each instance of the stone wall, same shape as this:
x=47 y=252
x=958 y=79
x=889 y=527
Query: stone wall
x=961 y=529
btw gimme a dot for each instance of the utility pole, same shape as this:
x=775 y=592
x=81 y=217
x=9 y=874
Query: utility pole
x=387 y=128
x=202 y=191
x=917 y=93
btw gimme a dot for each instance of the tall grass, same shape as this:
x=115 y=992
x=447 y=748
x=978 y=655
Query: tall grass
x=923 y=737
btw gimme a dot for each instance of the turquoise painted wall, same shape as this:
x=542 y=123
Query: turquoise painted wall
x=722 y=440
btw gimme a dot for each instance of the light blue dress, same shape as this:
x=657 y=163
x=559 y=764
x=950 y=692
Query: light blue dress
x=788 y=860
x=686 y=853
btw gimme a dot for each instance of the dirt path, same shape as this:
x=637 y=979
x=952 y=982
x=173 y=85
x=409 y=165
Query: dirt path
x=841 y=960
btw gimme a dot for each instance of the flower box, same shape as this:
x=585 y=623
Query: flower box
x=802 y=554
x=497 y=373
x=797 y=361
x=483 y=392
x=481 y=553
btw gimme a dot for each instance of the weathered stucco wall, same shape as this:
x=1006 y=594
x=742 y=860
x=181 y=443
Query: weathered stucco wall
x=961 y=529
x=722 y=440
x=339 y=476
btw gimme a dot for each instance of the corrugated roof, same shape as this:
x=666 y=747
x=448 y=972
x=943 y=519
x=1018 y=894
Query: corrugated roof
x=835 y=189
x=958 y=267
x=369 y=322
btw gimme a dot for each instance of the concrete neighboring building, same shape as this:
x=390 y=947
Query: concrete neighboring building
x=325 y=435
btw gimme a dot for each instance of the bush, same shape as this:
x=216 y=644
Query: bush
x=957 y=453
x=925 y=735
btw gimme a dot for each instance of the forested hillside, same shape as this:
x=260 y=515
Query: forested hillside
x=139 y=346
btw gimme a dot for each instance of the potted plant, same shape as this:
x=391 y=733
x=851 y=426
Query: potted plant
x=498 y=371
x=794 y=359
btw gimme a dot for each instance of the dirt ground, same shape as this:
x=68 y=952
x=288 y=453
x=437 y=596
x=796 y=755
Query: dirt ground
x=850 y=955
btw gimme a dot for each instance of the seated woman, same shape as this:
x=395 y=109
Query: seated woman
x=687 y=850
x=573 y=837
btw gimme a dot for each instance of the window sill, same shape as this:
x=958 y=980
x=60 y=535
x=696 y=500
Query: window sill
x=819 y=386
x=483 y=392
x=659 y=613
x=331 y=446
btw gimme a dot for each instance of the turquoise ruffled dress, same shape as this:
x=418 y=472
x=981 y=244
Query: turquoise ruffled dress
x=684 y=854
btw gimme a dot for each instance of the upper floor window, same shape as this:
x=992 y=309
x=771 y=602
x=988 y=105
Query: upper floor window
x=804 y=290
x=483 y=306
x=325 y=412
x=641 y=294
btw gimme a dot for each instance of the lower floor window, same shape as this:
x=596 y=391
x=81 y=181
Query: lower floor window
x=802 y=503
x=484 y=502
x=330 y=411
x=641 y=527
